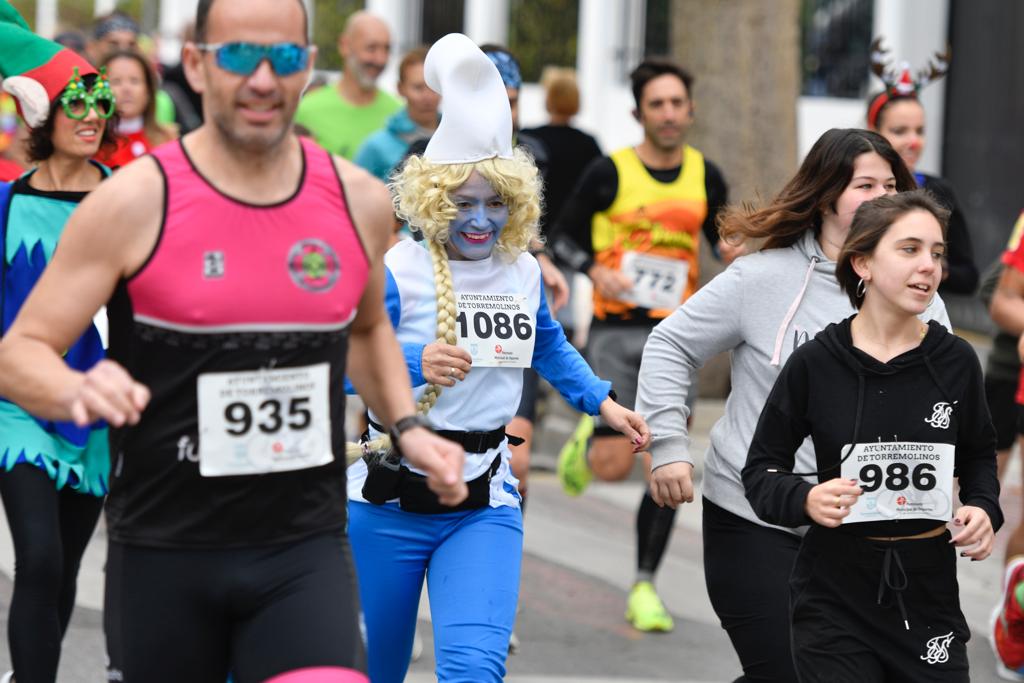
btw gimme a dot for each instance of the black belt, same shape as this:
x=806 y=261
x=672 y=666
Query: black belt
x=471 y=442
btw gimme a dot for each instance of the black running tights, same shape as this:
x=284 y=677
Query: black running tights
x=50 y=530
x=653 y=529
x=747 y=568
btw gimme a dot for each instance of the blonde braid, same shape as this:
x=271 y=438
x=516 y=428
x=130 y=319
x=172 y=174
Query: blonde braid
x=446 y=312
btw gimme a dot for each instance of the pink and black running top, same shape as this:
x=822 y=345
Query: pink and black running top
x=232 y=287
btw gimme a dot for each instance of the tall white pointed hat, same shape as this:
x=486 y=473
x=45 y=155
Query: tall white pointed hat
x=476 y=119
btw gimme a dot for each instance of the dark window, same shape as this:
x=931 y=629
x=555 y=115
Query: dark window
x=542 y=33
x=441 y=17
x=836 y=47
x=658 y=29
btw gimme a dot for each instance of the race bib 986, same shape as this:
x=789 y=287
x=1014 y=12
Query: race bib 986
x=901 y=480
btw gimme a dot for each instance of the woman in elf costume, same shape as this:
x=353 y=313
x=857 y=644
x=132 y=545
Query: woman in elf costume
x=53 y=475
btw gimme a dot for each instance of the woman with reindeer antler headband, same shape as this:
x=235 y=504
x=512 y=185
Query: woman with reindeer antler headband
x=470 y=312
x=896 y=113
x=53 y=475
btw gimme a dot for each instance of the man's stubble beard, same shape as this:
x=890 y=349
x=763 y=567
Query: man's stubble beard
x=251 y=144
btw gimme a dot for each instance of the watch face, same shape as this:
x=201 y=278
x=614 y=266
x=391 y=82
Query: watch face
x=405 y=424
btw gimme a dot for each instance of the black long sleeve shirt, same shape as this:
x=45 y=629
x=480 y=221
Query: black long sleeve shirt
x=933 y=394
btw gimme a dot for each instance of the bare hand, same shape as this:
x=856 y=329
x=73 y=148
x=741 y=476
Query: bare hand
x=1020 y=348
x=444 y=364
x=977 y=531
x=554 y=282
x=672 y=484
x=729 y=252
x=827 y=504
x=442 y=461
x=609 y=283
x=107 y=392
x=627 y=422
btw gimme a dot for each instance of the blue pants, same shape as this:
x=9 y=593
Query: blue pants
x=471 y=560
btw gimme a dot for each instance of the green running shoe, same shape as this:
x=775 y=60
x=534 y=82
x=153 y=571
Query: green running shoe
x=645 y=610
x=573 y=470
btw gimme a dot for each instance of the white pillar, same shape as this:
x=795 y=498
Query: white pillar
x=101 y=7
x=605 y=53
x=403 y=18
x=913 y=31
x=486 y=21
x=174 y=15
x=46 y=18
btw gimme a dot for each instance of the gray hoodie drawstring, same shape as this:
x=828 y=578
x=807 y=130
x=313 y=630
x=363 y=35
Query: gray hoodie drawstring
x=780 y=336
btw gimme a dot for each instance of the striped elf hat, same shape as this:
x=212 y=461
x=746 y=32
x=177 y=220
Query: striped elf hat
x=34 y=70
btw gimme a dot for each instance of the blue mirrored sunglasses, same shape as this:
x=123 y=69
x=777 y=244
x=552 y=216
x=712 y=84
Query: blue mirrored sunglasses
x=243 y=58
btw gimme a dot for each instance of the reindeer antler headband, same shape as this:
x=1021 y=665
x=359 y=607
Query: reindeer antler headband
x=900 y=83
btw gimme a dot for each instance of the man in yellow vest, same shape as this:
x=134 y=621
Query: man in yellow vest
x=633 y=225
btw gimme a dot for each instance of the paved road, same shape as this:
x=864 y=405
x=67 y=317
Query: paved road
x=576 y=573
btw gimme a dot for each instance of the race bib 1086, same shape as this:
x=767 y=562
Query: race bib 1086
x=264 y=421
x=658 y=282
x=901 y=480
x=498 y=330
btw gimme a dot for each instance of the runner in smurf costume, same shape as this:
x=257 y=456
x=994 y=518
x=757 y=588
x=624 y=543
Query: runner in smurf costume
x=470 y=313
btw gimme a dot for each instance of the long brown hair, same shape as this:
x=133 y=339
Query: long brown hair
x=155 y=132
x=821 y=179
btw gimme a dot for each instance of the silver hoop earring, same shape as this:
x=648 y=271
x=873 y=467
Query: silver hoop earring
x=861 y=288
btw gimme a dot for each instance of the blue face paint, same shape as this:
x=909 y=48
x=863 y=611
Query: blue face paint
x=482 y=215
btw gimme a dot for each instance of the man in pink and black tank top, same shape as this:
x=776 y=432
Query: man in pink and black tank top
x=242 y=266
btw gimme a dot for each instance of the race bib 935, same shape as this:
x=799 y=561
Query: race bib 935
x=262 y=421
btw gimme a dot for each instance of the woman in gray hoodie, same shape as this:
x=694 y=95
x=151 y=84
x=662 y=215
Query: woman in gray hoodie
x=761 y=308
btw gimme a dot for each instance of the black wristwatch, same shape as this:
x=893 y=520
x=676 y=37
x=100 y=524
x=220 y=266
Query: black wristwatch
x=403 y=425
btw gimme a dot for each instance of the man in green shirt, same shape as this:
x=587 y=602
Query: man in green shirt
x=341 y=116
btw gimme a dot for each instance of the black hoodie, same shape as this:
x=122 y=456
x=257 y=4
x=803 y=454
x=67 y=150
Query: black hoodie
x=840 y=395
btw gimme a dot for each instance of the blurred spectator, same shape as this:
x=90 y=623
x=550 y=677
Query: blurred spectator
x=12 y=161
x=511 y=76
x=188 y=104
x=569 y=149
x=110 y=33
x=72 y=39
x=1005 y=396
x=416 y=121
x=897 y=114
x=134 y=84
x=554 y=281
x=342 y=116
x=117 y=32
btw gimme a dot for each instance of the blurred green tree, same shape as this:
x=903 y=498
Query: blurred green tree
x=329 y=17
x=542 y=33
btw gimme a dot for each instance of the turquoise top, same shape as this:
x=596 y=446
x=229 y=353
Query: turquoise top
x=31 y=223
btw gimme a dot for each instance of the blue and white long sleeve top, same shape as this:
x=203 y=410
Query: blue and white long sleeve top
x=489 y=396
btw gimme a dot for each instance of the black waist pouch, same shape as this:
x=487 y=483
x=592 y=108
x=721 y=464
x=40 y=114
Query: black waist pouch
x=387 y=478
x=415 y=496
x=383 y=474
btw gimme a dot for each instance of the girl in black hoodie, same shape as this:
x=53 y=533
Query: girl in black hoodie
x=895 y=409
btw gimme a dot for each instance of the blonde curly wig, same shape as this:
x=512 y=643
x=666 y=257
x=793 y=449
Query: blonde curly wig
x=422 y=190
